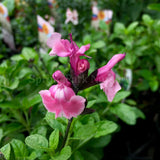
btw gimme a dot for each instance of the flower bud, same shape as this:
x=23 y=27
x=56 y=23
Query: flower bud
x=60 y=78
x=82 y=66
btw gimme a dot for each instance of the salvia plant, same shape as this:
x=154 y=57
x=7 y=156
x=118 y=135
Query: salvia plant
x=62 y=99
x=78 y=125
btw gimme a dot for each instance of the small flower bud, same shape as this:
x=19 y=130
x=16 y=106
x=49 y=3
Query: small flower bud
x=82 y=66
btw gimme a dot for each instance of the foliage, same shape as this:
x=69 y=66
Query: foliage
x=27 y=131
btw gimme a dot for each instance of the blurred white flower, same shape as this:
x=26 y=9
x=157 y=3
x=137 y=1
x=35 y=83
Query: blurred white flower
x=71 y=16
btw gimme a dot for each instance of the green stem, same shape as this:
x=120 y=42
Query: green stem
x=67 y=132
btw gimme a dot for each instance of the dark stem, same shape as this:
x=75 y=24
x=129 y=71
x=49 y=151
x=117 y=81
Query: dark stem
x=67 y=131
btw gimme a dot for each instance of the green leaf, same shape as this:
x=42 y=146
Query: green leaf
x=31 y=100
x=119 y=28
x=147 y=74
x=99 y=142
x=12 y=128
x=90 y=156
x=24 y=72
x=147 y=19
x=157 y=61
x=138 y=113
x=85 y=131
x=143 y=85
x=120 y=96
x=6 y=150
x=91 y=103
x=10 y=104
x=37 y=141
x=56 y=123
x=29 y=53
x=16 y=58
x=154 y=84
x=64 y=154
x=41 y=130
x=154 y=6
x=10 y=5
x=103 y=25
x=125 y=113
x=63 y=60
x=77 y=156
x=131 y=102
x=130 y=58
x=54 y=139
x=102 y=99
x=13 y=85
x=99 y=44
x=32 y=156
x=20 y=150
x=87 y=39
x=1 y=134
x=105 y=127
x=3 y=118
x=132 y=27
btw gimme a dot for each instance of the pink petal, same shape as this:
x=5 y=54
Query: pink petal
x=110 y=86
x=52 y=53
x=55 y=37
x=75 y=13
x=61 y=92
x=111 y=91
x=66 y=43
x=48 y=101
x=75 y=46
x=103 y=71
x=60 y=50
x=83 y=49
x=109 y=81
x=74 y=107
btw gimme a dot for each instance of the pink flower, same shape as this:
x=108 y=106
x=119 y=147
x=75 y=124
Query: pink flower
x=63 y=47
x=107 y=77
x=61 y=99
x=71 y=16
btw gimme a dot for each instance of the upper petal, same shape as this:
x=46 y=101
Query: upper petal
x=83 y=49
x=60 y=92
x=103 y=71
x=55 y=37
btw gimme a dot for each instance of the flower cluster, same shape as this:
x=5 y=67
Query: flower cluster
x=61 y=99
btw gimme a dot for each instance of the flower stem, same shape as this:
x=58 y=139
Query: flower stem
x=67 y=131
